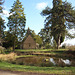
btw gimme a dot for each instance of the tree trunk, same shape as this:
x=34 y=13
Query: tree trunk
x=0 y=30
x=0 y=37
x=58 y=43
x=14 y=46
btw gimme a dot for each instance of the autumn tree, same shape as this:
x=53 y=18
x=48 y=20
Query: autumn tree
x=58 y=19
x=17 y=21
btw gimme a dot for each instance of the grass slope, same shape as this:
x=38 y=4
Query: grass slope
x=48 y=70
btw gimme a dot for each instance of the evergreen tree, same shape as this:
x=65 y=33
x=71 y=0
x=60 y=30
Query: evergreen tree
x=9 y=40
x=2 y=27
x=1 y=2
x=17 y=21
x=59 y=19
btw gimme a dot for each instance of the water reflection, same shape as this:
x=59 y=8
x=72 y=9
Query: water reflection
x=52 y=60
x=45 y=61
x=66 y=62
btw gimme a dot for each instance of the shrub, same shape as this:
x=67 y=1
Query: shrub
x=13 y=62
x=7 y=57
x=21 y=63
x=71 y=48
x=63 y=46
x=2 y=49
x=48 y=46
x=10 y=49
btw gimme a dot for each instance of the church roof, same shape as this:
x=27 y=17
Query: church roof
x=28 y=34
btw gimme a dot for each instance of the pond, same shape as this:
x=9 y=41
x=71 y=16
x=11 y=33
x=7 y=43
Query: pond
x=45 y=61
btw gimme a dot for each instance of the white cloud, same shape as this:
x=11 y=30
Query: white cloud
x=5 y=12
x=41 y=6
x=72 y=31
x=69 y=42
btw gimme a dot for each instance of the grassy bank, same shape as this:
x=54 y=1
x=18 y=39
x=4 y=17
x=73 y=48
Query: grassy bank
x=5 y=58
x=48 y=70
x=40 y=49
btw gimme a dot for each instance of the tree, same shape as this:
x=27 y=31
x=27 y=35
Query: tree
x=17 y=21
x=58 y=19
x=2 y=27
x=8 y=40
x=1 y=8
x=46 y=37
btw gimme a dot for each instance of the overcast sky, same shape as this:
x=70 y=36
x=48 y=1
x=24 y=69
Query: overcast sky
x=32 y=9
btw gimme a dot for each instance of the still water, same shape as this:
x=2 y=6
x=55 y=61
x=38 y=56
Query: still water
x=45 y=61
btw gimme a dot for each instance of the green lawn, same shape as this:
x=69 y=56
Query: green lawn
x=23 y=50
x=48 y=70
x=24 y=56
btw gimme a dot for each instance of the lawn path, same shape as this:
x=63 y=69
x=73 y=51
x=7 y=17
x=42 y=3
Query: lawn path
x=2 y=72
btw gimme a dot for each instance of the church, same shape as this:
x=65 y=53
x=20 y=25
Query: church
x=29 y=42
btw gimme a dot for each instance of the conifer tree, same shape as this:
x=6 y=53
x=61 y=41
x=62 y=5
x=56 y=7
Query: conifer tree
x=17 y=21
x=1 y=8
x=1 y=21
x=2 y=26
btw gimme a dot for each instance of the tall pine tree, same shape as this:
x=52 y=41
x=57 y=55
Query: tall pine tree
x=2 y=26
x=1 y=8
x=17 y=21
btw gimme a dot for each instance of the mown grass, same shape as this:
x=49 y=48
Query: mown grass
x=46 y=52
x=48 y=70
x=41 y=51
x=24 y=56
x=23 y=50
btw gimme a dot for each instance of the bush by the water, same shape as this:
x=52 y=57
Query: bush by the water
x=72 y=48
x=2 y=49
x=7 y=57
x=48 y=46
